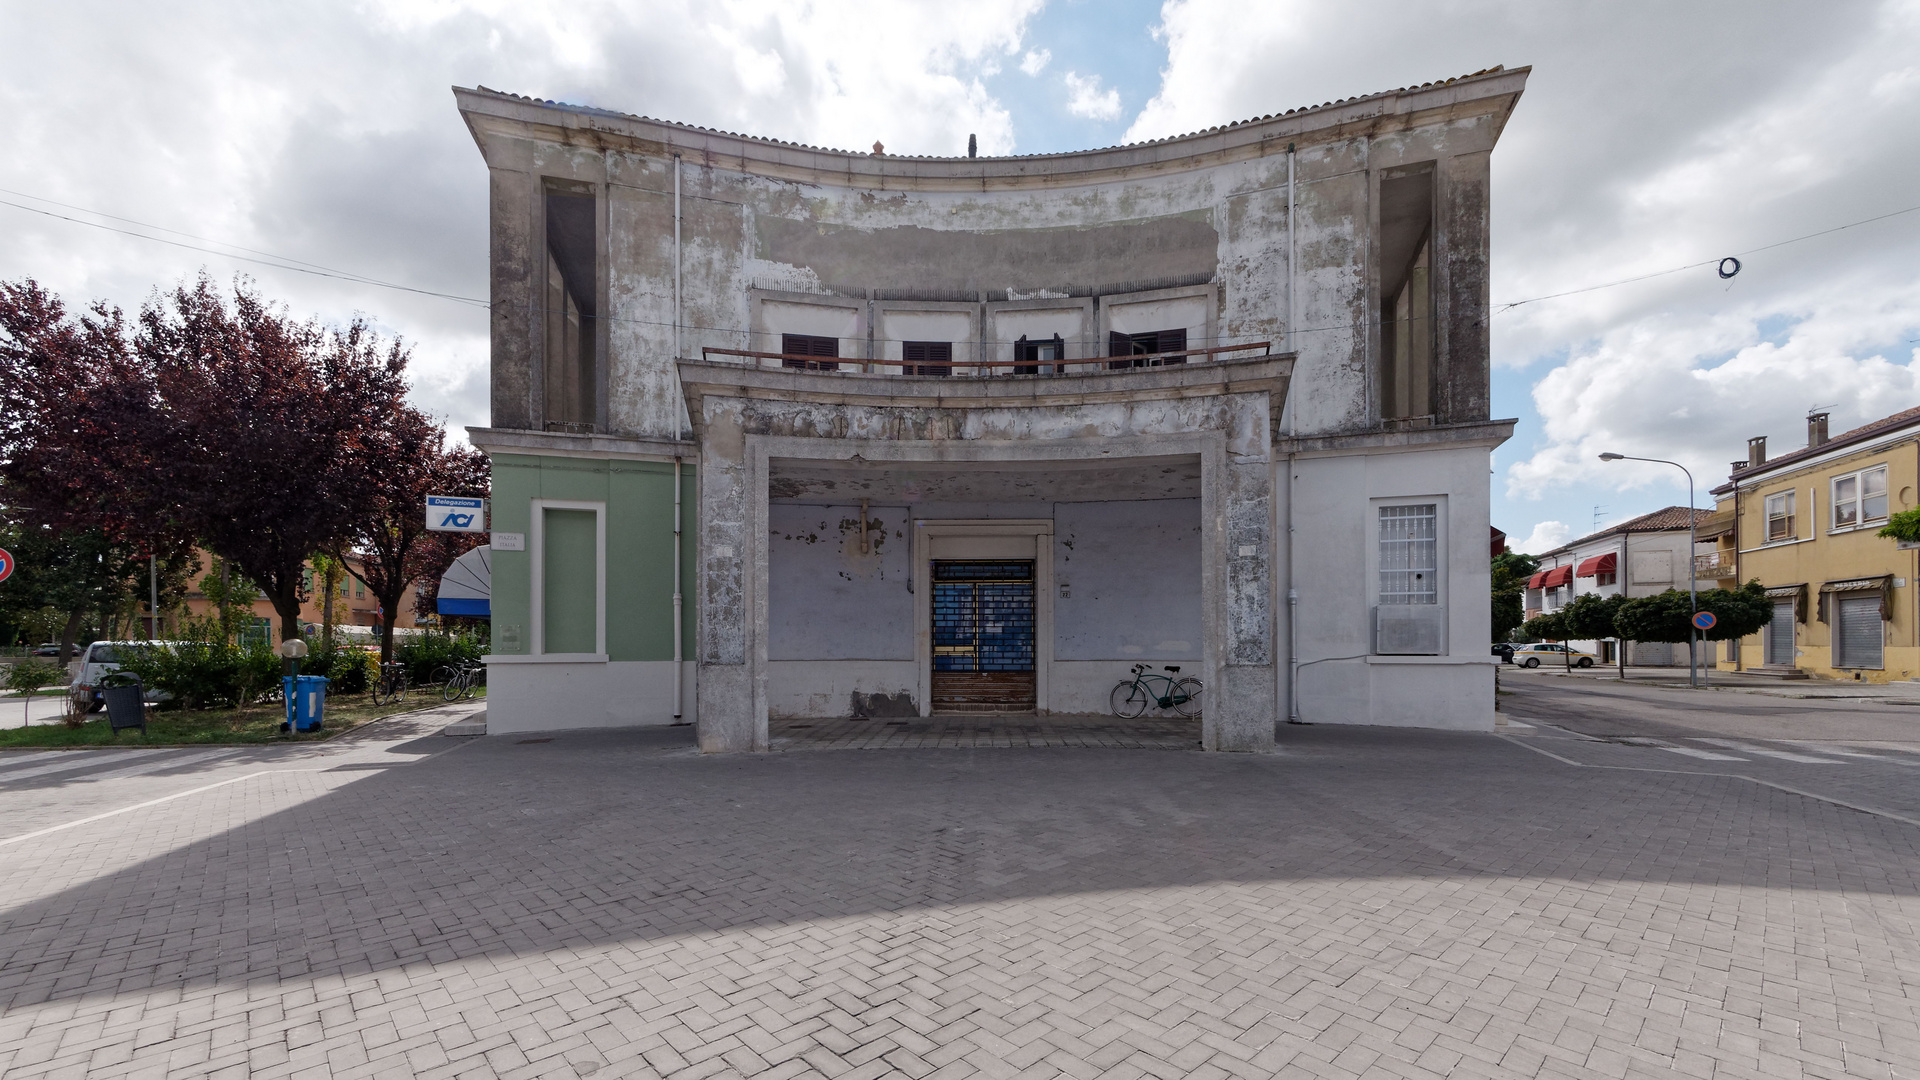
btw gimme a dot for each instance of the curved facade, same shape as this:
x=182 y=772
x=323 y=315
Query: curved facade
x=972 y=434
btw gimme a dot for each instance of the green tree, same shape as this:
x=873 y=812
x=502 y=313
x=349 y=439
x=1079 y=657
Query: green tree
x=1551 y=626
x=1904 y=526
x=1510 y=573
x=27 y=677
x=1668 y=616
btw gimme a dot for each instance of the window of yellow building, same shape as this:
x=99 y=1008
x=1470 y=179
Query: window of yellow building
x=1780 y=517
x=1860 y=498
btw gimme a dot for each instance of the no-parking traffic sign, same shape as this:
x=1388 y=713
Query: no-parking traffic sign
x=1703 y=620
x=6 y=564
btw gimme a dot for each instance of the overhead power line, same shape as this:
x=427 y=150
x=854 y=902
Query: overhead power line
x=1705 y=262
x=278 y=262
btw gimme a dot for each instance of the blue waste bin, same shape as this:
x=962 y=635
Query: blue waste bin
x=306 y=700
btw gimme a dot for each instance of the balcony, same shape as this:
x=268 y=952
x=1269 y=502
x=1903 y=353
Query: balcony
x=978 y=369
x=1715 y=567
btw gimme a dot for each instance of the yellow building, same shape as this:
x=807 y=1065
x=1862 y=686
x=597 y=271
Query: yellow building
x=1805 y=525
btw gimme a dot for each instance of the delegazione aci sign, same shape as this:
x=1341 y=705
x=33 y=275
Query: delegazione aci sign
x=447 y=513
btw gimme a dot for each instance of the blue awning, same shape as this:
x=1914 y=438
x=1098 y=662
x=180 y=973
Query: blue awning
x=466 y=589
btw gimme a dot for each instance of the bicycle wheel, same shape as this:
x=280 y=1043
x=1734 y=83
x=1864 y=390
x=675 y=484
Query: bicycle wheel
x=453 y=683
x=1186 y=697
x=1129 y=700
x=382 y=691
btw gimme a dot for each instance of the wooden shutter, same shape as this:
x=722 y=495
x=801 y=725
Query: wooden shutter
x=1170 y=341
x=809 y=345
x=933 y=358
x=1119 y=344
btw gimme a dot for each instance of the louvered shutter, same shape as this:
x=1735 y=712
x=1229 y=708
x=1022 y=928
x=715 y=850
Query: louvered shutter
x=1170 y=341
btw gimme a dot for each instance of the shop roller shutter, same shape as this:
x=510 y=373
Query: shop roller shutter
x=1858 y=631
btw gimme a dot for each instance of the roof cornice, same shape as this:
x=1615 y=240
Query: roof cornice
x=1490 y=93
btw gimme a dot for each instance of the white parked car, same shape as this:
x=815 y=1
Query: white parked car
x=98 y=660
x=1551 y=652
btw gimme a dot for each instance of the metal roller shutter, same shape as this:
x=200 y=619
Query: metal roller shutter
x=1858 y=632
x=1780 y=635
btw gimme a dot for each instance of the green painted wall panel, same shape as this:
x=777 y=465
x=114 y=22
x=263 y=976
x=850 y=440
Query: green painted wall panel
x=639 y=500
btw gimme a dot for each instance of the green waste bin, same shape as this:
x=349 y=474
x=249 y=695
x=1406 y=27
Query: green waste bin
x=306 y=700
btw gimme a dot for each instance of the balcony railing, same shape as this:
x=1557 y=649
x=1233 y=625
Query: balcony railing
x=1715 y=566
x=983 y=369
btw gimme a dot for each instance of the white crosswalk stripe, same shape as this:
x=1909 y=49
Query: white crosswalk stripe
x=1783 y=755
x=196 y=758
x=76 y=759
x=1705 y=755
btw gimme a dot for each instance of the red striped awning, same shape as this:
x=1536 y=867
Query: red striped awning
x=1599 y=564
x=1537 y=581
x=1556 y=577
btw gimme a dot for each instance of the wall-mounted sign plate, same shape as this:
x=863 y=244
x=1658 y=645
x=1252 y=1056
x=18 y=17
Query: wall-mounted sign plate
x=447 y=513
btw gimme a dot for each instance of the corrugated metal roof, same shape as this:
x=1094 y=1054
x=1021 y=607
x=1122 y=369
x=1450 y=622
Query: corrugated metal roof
x=590 y=110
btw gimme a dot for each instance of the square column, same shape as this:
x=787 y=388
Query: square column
x=728 y=635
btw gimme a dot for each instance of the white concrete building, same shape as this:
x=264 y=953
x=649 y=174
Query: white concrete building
x=781 y=431
x=1641 y=556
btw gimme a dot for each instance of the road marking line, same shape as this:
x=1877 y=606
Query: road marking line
x=1875 y=811
x=195 y=758
x=76 y=759
x=1704 y=755
x=144 y=805
x=1783 y=755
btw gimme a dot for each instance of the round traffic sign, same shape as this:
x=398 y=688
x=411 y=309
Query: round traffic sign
x=6 y=564
x=1703 y=620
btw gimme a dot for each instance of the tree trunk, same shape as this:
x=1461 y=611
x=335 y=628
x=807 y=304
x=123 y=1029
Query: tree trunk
x=1623 y=659
x=71 y=631
x=390 y=609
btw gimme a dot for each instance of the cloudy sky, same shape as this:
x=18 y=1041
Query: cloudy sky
x=1653 y=136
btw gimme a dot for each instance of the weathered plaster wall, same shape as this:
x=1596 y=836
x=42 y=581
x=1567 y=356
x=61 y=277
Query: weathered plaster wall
x=827 y=601
x=1222 y=221
x=1128 y=579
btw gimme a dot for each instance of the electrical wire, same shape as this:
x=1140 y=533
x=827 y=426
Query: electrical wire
x=1704 y=262
x=275 y=261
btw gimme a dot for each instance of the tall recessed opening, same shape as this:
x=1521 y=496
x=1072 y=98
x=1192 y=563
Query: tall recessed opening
x=571 y=311
x=1406 y=294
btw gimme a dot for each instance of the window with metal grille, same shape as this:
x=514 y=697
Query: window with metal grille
x=928 y=357
x=1860 y=498
x=1859 y=633
x=798 y=345
x=1780 y=517
x=1145 y=345
x=1409 y=554
x=1038 y=357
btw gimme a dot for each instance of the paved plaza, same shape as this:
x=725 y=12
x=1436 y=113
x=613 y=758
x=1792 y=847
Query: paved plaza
x=1363 y=903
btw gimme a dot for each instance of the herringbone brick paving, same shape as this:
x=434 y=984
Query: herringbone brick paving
x=1364 y=904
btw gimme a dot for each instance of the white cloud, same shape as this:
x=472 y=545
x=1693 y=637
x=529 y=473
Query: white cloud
x=1545 y=537
x=1085 y=98
x=1036 y=61
x=328 y=134
x=1659 y=136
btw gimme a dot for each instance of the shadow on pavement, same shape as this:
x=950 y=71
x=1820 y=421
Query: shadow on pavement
x=513 y=845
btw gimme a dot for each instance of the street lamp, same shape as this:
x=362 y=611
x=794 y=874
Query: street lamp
x=1693 y=595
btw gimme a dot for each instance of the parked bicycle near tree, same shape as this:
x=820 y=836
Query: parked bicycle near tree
x=1150 y=688
x=458 y=680
x=391 y=686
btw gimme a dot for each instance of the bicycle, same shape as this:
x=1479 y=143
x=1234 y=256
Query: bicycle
x=458 y=680
x=391 y=686
x=1132 y=696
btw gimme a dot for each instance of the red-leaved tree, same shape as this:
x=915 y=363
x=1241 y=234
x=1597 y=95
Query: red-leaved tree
x=391 y=538
x=220 y=421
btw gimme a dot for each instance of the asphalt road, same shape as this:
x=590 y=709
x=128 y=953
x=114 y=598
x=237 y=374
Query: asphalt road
x=1864 y=755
